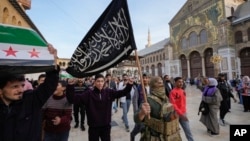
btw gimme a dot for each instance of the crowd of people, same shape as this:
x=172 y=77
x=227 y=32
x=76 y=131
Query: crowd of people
x=43 y=110
x=217 y=93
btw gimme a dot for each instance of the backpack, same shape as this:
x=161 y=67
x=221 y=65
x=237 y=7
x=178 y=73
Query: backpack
x=203 y=108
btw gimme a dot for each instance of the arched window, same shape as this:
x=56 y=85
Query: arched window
x=5 y=15
x=147 y=69
x=184 y=43
x=238 y=37
x=203 y=36
x=248 y=34
x=153 y=70
x=19 y=23
x=14 y=20
x=192 y=39
x=159 y=66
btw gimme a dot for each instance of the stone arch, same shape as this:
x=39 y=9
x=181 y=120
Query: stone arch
x=147 y=69
x=184 y=67
x=193 y=39
x=153 y=70
x=184 y=43
x=238 y=37
x=159 y=68
x=14 y=21
x=245 y=61
x=203 y=36
x=5 y=15
x=19 y=23
x=195 y=64
x=209 y=66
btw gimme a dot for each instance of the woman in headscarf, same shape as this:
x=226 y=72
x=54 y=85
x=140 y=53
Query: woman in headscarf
x=212 y=96
x=158 y=115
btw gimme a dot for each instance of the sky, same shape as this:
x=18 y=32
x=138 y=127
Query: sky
x=64 y=23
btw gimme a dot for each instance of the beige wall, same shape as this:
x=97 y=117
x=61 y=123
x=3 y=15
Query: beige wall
x=9 y=15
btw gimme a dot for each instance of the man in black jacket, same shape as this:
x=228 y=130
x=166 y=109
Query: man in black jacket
x=80 y=87
x=20 y=111
x=167 y=84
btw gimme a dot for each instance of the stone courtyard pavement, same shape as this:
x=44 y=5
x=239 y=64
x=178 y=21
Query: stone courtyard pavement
x=118 y=132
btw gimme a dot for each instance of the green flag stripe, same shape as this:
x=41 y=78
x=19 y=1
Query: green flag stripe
x=20 y=35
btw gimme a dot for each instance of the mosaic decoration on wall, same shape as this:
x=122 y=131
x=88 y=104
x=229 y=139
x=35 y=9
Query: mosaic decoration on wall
x=209 y=17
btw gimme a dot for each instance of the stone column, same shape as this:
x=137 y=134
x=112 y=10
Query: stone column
x=188 y=68
x=203 y=66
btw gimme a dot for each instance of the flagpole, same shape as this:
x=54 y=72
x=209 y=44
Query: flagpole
x=141 y=79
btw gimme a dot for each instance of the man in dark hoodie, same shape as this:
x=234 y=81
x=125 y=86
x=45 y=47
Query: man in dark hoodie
x=98 y=102
x=20 y=111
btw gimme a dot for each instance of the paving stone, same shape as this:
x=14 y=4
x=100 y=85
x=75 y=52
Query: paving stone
x=118 y=131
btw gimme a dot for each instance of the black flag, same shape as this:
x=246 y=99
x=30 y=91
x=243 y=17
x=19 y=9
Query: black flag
x=108 y=42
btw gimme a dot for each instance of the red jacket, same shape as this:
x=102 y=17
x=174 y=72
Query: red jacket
x=178 y=99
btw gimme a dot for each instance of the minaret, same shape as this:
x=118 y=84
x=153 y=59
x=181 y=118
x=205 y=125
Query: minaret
x=149 y=39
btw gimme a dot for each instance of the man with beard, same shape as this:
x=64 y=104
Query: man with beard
x=20 y=111
x=137 y=100
x=226 y=92
x=168 y=85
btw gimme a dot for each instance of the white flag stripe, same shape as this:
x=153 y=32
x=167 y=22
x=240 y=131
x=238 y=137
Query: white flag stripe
x=23 y=52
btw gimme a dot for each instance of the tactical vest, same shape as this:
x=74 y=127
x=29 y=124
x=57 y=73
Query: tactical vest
x=163 y=124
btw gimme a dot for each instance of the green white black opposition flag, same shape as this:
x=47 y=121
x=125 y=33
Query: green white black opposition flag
x=108 y=42
x=22 y=50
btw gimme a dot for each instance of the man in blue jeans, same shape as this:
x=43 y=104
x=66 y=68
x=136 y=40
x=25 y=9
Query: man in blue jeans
x=137 y=100
x=125 y=101
x=178 y=98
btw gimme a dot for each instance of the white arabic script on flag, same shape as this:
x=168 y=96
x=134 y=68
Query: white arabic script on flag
x=107 y=43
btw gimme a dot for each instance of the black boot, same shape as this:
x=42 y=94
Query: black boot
x=76 y=125
x=82 y=127
x=132 y=137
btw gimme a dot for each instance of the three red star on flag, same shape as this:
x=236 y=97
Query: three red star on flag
x=13 y=52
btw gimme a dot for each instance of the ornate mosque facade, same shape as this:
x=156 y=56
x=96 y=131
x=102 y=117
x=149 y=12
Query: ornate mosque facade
x=206 y=38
